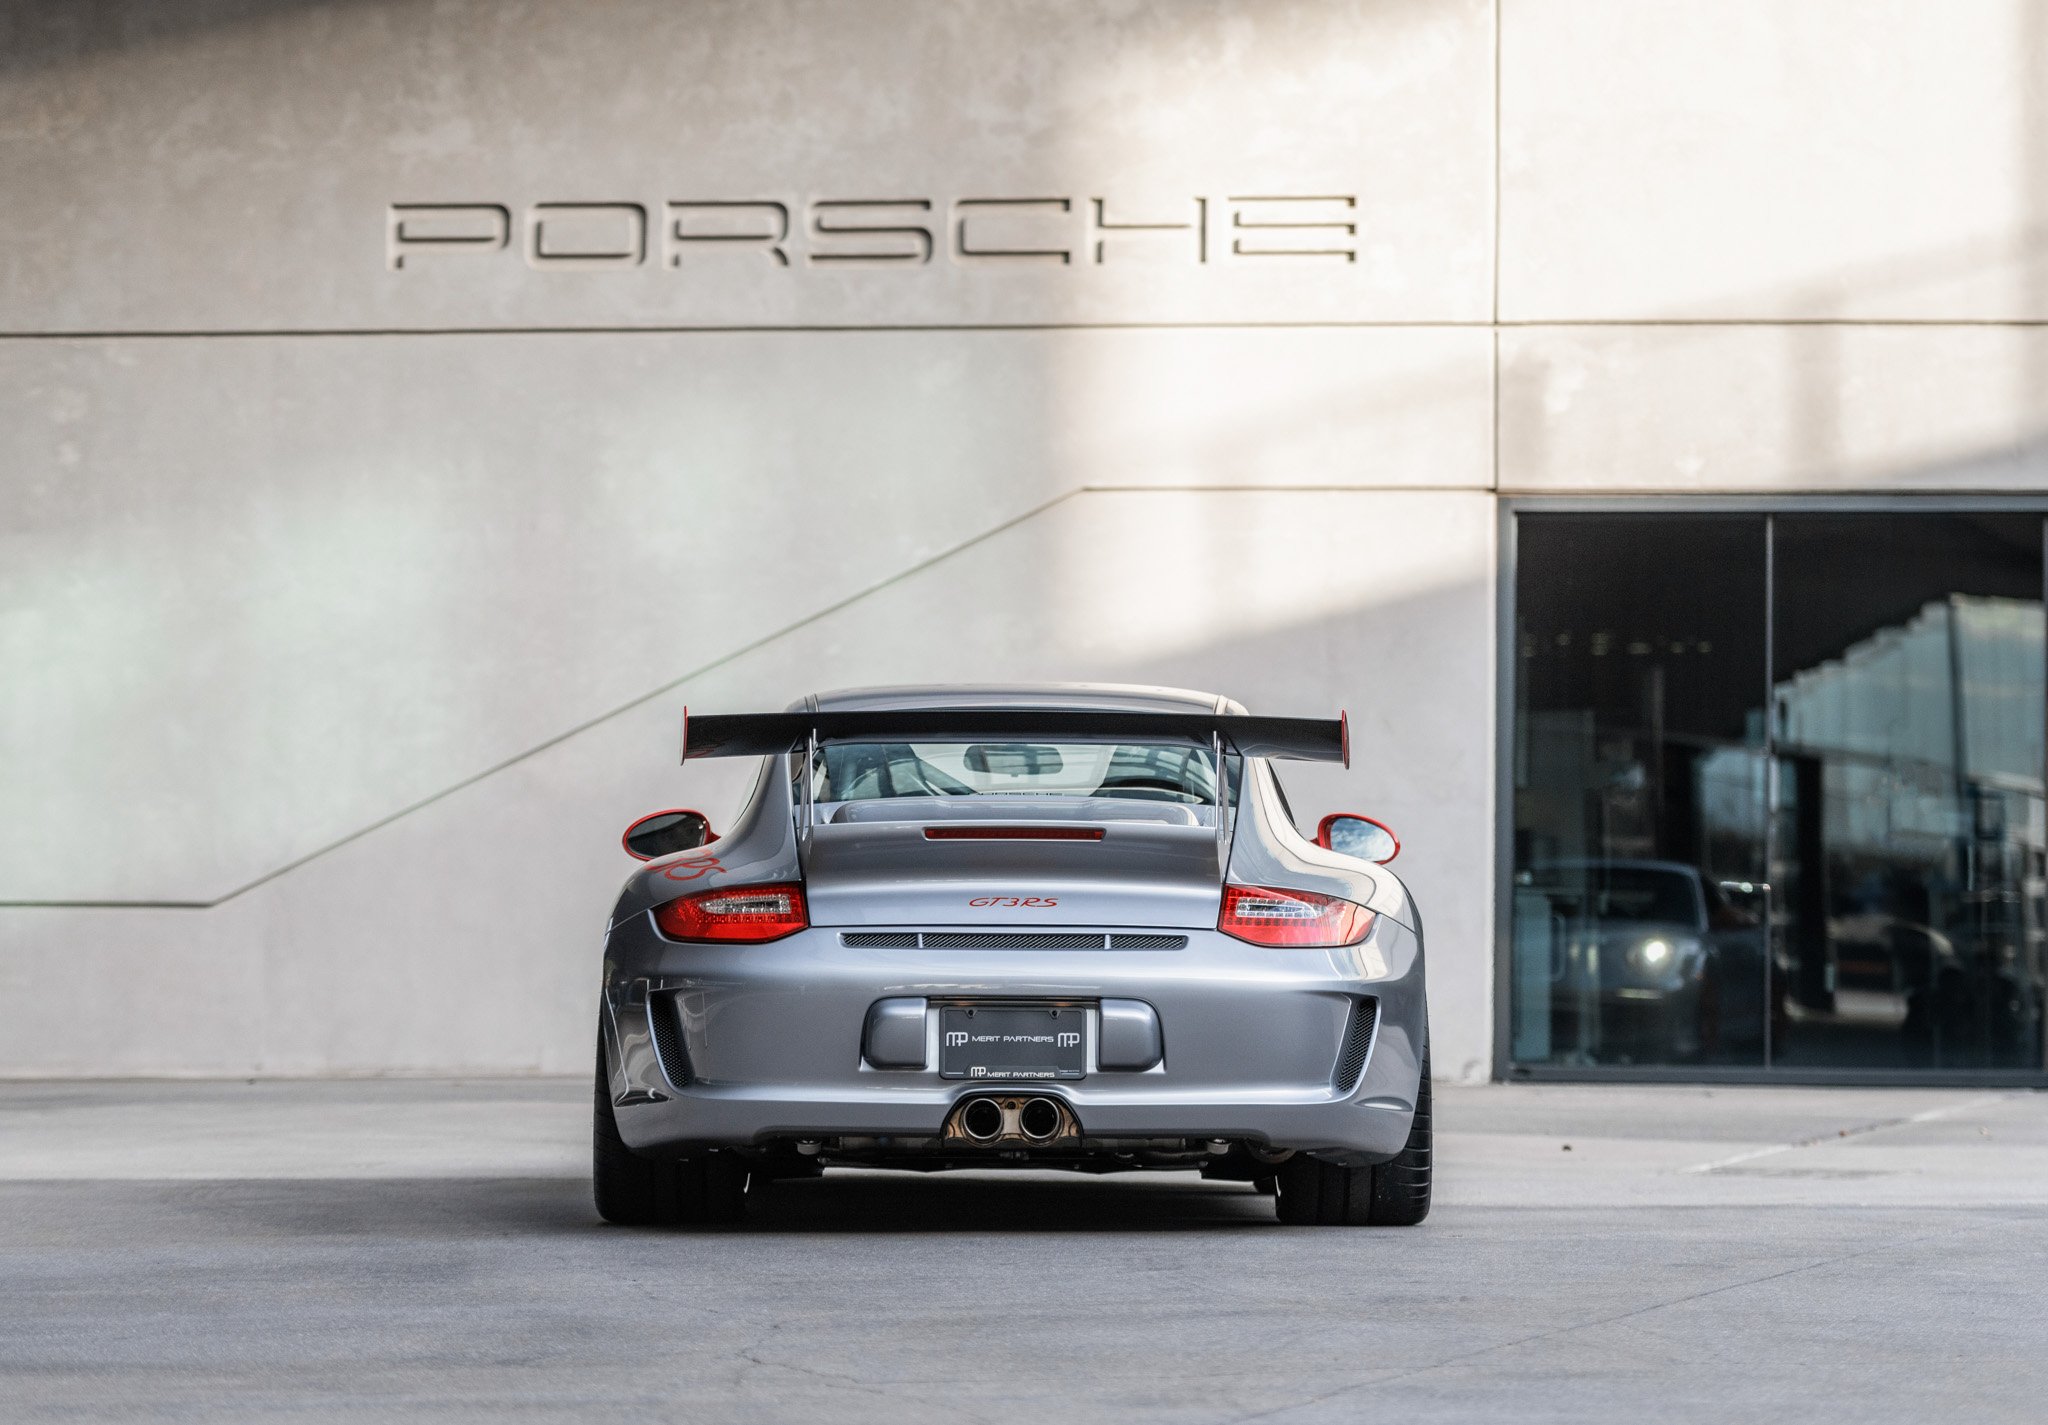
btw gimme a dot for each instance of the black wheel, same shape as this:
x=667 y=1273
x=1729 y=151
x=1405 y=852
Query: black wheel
x=634 y=1191
x=1393 y=1194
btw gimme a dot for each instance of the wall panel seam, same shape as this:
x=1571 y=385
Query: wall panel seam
x=1419 y=324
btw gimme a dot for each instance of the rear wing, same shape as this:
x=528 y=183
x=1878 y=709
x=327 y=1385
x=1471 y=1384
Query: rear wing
x=1306 y=739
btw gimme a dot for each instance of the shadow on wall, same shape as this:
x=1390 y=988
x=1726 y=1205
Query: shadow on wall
x=42 y=34
x=1419 y=692
x=1828 y=394
x=1819 y=413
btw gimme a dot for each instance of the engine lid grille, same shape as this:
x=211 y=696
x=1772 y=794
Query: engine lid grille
x=1008 y=940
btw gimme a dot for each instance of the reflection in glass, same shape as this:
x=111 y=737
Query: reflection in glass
x=1638 y=901
x=1907 y=720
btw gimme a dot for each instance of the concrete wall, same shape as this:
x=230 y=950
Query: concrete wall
x=405 y=409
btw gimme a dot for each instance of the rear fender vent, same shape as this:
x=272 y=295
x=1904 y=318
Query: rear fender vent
x=1006 y=940
x=667 y=1024
x=1365 y=1017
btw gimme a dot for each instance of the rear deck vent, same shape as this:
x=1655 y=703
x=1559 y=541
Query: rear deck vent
x=1011 y=940
x=668 y=1039
x=1005 y=940
x=1365 y=1016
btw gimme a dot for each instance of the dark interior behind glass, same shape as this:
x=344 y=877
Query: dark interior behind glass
x=1852 y=881
x=1637 y=932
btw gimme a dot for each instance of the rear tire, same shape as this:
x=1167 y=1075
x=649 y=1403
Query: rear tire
x=636 y=1191
x=1392 y=1194
x=1400 y=1188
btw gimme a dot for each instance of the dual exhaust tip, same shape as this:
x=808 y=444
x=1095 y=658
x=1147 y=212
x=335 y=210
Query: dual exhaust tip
x=1036 y=1120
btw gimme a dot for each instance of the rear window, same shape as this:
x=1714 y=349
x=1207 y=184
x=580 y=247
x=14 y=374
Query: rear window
x=871 y=771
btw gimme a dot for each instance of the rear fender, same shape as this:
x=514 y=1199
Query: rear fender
x=1266 y=850
x=760 y=848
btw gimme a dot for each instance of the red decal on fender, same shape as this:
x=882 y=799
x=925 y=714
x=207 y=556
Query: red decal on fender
x=693 y=868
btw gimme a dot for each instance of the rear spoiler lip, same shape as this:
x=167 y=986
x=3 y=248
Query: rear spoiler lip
x=1305 y=739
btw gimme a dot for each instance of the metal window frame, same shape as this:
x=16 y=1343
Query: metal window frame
x=1510 y=508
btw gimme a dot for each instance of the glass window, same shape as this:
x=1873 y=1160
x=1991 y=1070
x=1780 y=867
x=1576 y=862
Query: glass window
x=1907 y=713
x=1637 y=931
x=1778 y=791
x=1607 y=892
x=869 y=771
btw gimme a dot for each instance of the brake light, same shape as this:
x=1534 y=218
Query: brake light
x=749 y=916
x=1264 y=915
x=1013 y=833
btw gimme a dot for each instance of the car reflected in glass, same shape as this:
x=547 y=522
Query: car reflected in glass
x=1643 y=954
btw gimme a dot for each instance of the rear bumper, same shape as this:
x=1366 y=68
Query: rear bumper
x=765 y=1043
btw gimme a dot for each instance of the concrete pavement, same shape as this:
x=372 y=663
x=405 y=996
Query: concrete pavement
x=415 y=1250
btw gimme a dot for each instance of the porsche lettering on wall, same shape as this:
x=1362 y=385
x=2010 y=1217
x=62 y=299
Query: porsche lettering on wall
x=878 y=232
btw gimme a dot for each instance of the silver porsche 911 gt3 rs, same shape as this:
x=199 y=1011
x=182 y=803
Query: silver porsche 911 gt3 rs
x=1055 y=927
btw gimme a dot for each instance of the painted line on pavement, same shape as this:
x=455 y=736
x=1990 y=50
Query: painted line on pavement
x=1926 y=1116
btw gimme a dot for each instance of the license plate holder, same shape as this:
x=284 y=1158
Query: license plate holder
x=1030 y=1043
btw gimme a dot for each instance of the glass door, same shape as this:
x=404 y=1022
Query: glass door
x=1638 y=904
x=1907 y=846
x=1778 y=792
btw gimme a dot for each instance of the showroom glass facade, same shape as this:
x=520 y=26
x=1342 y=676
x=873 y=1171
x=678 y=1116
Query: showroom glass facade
x=1777 y=792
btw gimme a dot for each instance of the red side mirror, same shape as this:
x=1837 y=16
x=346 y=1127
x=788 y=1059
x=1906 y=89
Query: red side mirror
x=1349 y=834
x=663 y=833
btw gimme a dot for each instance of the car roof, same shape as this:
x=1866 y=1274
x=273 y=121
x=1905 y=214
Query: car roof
x=1125 y=697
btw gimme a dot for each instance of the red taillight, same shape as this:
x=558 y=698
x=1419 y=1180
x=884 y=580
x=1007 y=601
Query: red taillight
x=749 y=915
x=1266 y=916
